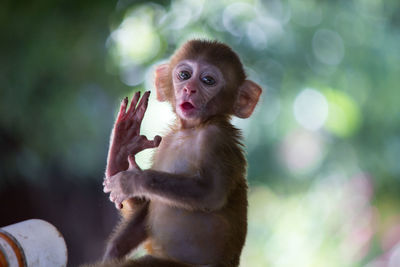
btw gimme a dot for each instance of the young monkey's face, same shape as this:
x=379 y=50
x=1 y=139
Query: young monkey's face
x=195 y=84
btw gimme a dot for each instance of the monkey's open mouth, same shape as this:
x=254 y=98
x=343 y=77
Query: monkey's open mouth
x=187 y=106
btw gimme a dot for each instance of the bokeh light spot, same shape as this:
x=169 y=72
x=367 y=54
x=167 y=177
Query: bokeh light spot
x=310 y=109
x=394 y=260
x=236 y=16
x=301 y=151
x=328 y=47
x=306 y=13
x=135 y=40
x=344 y=116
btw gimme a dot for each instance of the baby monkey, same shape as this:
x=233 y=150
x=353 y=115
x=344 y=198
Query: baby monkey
x=190 y=207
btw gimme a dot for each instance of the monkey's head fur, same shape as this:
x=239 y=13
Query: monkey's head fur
x=234 y=95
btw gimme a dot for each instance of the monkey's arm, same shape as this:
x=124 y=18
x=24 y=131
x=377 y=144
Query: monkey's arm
x=218 y=163
x=125 y=139
x=206 y=190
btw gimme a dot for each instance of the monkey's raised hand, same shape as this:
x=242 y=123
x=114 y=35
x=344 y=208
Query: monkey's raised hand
x=125 y=138
x=121 y=185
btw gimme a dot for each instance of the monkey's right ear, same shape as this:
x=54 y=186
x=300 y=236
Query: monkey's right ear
x=162 y=82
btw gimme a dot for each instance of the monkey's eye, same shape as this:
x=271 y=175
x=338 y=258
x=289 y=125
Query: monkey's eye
x=184 y=75
x=208 y=80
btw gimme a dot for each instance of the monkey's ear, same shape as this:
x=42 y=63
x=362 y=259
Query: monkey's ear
x=162 y=82
x=248 y=95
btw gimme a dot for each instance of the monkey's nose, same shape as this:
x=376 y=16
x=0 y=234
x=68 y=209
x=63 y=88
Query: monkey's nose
x=189 y=91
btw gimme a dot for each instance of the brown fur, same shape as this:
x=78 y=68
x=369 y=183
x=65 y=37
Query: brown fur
x=196 y=188
x=215 y=53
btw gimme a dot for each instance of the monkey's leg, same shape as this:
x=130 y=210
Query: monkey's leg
x=128 y=236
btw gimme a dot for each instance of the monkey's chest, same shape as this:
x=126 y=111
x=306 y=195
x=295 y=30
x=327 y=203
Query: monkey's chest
x=180 y=157
x=190 y=236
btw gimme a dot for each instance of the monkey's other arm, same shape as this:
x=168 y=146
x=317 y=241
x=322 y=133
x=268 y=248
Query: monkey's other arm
x=205 y=188
x=125 y=139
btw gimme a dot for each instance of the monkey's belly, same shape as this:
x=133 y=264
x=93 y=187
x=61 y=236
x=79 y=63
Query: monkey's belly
x=189 y=236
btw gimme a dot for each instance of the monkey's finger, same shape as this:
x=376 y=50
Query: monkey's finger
x=141 y=109
x=122 y=109
x=151 y=143
x=140 y=143
x=144 y=143
x=157 y=140
x=106 y=187
x=117 y=201
x=134 y=101
x=132 y=163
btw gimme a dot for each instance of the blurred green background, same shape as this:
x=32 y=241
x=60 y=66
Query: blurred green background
x=323 y=144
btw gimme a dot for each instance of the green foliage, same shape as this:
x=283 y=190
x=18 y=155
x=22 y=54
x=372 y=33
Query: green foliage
x=328 y=117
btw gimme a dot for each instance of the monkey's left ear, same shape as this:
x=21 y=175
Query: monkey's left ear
x=248 y=95
x=161 y=82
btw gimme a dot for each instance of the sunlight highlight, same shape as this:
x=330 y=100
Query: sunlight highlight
x=135 y=39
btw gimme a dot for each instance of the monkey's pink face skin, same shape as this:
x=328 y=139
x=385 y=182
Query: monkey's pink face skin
x=195 y=84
